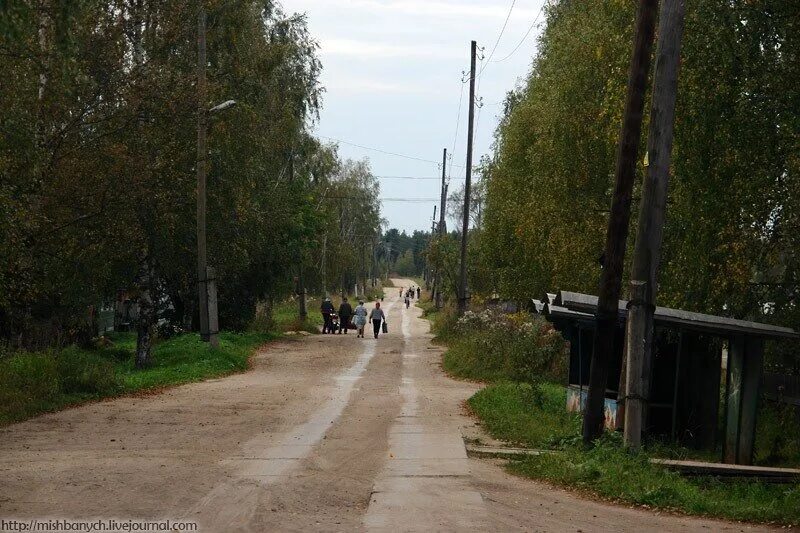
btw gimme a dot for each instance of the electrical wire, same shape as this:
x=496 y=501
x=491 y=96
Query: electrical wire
x=409 y=200
x=502 y=31
x=458 y=123
x=414 y=158
x=527 y=33
x=388 y=199
x=379 y=150
x=410 y=178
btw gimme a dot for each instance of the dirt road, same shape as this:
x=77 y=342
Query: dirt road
x=327 y=433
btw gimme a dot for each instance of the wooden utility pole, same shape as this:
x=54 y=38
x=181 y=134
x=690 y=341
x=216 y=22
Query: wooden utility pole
x=440 y=230
x=649 y=234
x=202 y=124
x=428 y=271
x=463 y=297
x=324 y=272
x=614 y=255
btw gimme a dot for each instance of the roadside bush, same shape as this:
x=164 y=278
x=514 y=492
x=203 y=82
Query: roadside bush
x=492 y=345
x=444 y=322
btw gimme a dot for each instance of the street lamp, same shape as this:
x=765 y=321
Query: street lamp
x=224 y=105
x=206 y=285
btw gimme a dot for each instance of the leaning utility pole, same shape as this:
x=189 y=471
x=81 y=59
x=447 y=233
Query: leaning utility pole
x=650 y=230
x=463 y=297
x=614 y=255
x=202 y=121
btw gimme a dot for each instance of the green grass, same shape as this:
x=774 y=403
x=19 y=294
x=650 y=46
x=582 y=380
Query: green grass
x=35 y=383
x=612 y=473
x=536 y=417
x=463 y=362
x=607 y=470
x=286 y=316
x=185 y=359
x=513 y=412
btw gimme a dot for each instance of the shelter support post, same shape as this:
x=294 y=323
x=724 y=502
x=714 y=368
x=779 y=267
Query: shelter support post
x=745 y=361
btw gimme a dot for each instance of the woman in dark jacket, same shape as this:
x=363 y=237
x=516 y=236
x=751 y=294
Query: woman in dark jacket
x=345 y=312
x=327 y=310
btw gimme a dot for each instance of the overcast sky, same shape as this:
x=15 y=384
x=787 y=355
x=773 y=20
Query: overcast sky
x=392 y=73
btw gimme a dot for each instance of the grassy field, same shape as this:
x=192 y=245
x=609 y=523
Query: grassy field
x=516 y=413
x=35 y=383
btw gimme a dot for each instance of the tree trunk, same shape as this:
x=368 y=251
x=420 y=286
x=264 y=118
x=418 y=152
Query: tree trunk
x=145 y=324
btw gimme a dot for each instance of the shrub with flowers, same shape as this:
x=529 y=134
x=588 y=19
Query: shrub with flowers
x=492 y=345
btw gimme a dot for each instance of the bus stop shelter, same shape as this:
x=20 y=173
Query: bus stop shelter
x=686 y=372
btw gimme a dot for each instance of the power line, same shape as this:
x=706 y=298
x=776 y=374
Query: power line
x=387 y=199
x=380 y=150
x=527 y=33
x=458 y=123
x=502 y=30
x=410 y=178
x=409 y=200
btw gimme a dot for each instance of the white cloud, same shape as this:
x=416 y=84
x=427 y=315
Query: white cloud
x=373 y=86
x=372 y=49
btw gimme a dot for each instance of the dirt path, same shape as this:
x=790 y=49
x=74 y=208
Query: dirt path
x=327 y=433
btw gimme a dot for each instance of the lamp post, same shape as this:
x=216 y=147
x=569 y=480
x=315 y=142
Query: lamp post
x=206 y=286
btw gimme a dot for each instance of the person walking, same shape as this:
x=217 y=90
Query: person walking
x=377 y=316
x=419 y=292
x=345 y=312
x=360 y=318
x=327 y=310
x=407 y=301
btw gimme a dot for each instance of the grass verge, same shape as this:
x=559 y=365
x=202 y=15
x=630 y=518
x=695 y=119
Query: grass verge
x=36 y=383
x=612 y=473
x=533 y=414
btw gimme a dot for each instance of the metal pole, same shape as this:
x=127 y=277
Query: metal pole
x=202 y=121
x=462 y=292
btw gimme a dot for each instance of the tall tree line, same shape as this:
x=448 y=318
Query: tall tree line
x=405 y=254
x=97 y=161
x=733 y=216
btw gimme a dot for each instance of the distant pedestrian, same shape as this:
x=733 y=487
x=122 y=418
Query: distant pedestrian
x=377 y=316
x=327 y=310
x=360 y=318
x=407 y=301
x=419 y=293
x=345 y=312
